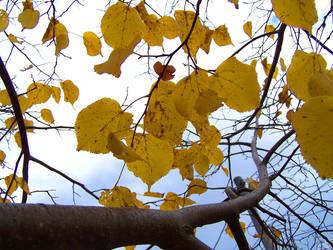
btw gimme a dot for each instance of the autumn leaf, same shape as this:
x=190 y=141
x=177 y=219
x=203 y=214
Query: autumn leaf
x=168 y=27
x=92 y=43
x=207 y=102
x=120 y=150
x=13 y=39
x=313 y=125
x=28 y=17
x=268 y=29
x=71 y=92
x=154 y=194
x=47 y=115
x=221 y=36
x=3 y=20
x=184 y=160
x=228 y=230
x=61 y=36
x=157 y=155
x=2 y=157
x=253 y=184
x=197 y=186
x=49 y=32
x=95 y=122
x=168 y=72
x=235 y=2
x=302 y=68
x=120 y=197
x=236 y=83
x=267 y=68
x=247 y=27
x=162 y=119
x=4 y=98
x=17 y=182
x=185 y=20
x=56 y=93
x=283 y=65
x=170 y=203
x=321 y=84
x=297 y=13
x=38 y=92
x=116 y=58
x=121 y=25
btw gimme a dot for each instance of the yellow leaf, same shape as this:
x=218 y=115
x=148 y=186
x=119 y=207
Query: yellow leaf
x=207 y=102
x=235 y=2
x=13 y=39
x=29 y=17
x=17 y=182
x=116 y=58
x=56 y=93
x=92 y=43
x=119 y=197
x=185 y=20
x=205 y=44
x=247 y=27
x=303 y=66
x=61 y=36
x=121 y=25
x=151 y=34
x=170 y=202
x=237 y=84
x=29 y=125
x=297 y=13
x=50 y=30
x=168 y=27
x=184 y=160
x=197 y=186
x=18 y=139
x=283 y=65
x=47 y=115
x=267 y=68
x=157 y=155
x=268 y=29
x=184 y=201
x=154 y=194
x=215 y=156
x=4 y=201
x=120 y=150
x=162 y=119
x=210 y=136
x=228 y=230
x=221 y=36
x=313 y=125
x=258 y=236
x=277 y=232
x=38 y=92
x=253 y=184
x=260 y=132
x=2 y=156
x=321 y=84
x=26 y=68
x=26 y=102
x=4 y=98
x=94 y=124
x=130 y=247
x=71 y=92
x=226 y=171
x=3 y=20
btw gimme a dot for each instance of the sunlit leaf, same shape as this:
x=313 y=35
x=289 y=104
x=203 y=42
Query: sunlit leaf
x=120 y=150
x=26 y=102
x=236 y=83
x=13 y=39
x=253 y=184
x=167 y=73
x=71 y=92
x=228 y=230
x=49 y=32
x=168 y=27
x=28 y=17
x=3 y=20
x=119 y=197
x=61 y=36
x=267 y=68
x=185 y=21
x=154 y=194
x=268 y=29
x=2 y=157
x=116 y=58
x=17 y=137
x=170 y=202
x=4 y=98
x=235 y=2
x=207 y=102
x=226 y=171
x=121 y=25
x=47 y=115
x=197 y=186
x=56 y=92
x=297 y=13
x=38 y=92
x=247 y=27
x=302 y=68
x=157 y=155
x=17 y=182
x=221 y=36
x=94 y=124
x=283 y=65
x=277 y=232
x=92 y=43
x=162 y=119
x=313 y=124
x=321 y=84
x=184 y=160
